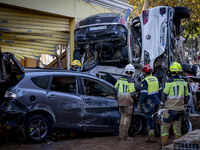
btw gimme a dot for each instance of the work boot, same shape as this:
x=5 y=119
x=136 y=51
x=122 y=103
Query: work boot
x=164 y=140
x=176 y=137
x=151 y=136
x=128 y=139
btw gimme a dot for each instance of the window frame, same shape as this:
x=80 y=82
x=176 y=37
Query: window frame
x=66 y=75
x=40 y=77
x=102 y=83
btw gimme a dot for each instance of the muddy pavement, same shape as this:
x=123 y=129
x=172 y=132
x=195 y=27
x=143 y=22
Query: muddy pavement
x=81 y=141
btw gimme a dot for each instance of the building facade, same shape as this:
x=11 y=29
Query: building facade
x=32 y=28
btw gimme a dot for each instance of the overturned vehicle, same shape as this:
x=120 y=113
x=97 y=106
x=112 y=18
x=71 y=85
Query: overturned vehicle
x=156 y=38
x=151 y=38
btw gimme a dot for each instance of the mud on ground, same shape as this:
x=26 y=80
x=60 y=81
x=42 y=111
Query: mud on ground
x=80 y=141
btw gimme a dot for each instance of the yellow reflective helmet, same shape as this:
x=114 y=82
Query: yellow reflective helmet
x=175 y=67
x=76 y=63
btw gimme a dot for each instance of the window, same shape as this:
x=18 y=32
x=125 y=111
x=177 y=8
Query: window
x=41 y=81
x=66 y=84
x=93 y=88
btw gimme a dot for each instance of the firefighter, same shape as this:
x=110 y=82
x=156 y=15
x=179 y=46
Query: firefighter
x=150 y=95
x=75 y=65
x=175 y=94
x=126 y=93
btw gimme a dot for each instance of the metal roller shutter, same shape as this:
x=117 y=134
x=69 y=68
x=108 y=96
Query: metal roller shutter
x=29 y=34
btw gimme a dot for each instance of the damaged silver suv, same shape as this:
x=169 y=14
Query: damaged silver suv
x=44 y=100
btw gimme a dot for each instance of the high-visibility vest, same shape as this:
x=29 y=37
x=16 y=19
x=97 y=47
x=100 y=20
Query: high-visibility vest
x=176 y=90
x=153 y=85
x=125 y=85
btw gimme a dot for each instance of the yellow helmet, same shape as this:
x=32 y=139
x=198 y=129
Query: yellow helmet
x=175 y=67
x=76 y=63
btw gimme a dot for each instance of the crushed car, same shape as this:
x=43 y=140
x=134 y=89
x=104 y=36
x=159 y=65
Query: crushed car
x=46 y=100
x=101 y=39
x=151 y=38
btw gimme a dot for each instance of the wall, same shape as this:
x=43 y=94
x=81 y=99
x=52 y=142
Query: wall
x=77 y=9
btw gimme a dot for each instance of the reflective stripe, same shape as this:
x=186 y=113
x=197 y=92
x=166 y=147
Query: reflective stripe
x=175 y=132
x=164 y=134
x=124 y=93
x=151 y=132
x=172 y=97
x=160 y=88
x=125 y=87
x=175 y=91
x=143 y=91
x=155 y=92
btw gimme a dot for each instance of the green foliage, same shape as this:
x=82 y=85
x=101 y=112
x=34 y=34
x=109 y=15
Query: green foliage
x=192 y=5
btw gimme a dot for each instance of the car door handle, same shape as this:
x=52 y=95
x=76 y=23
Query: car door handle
x=52 y=96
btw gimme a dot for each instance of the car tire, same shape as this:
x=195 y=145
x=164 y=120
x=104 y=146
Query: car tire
x=37 y=129
x=136 y=126
x=124 y=53
x=186 y=127
x=90 y=63
x=186 y=68
x=181 y=12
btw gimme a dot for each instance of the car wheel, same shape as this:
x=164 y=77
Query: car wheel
x=136 y=126
x=90 y=63
x=124 y=53
x=181 y=12
x=186 y=127
x=37 y=129
x=186 y=68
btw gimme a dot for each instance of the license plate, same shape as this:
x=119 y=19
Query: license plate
x=97 y=28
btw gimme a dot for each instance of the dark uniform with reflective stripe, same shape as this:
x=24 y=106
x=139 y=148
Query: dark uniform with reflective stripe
x=176 y=95
x=126 y=92
x=151 y=90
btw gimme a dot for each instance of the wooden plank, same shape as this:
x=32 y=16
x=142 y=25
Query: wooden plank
x=53 y=64
x=15 y=21
x=40 y=35
x=23 y=52
x=33 y=19
x=30 y=31
x=17 y=12
x=30 y=37
x=29 y=34
x=34 y=43
x=31 y=48
x=32 y=27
